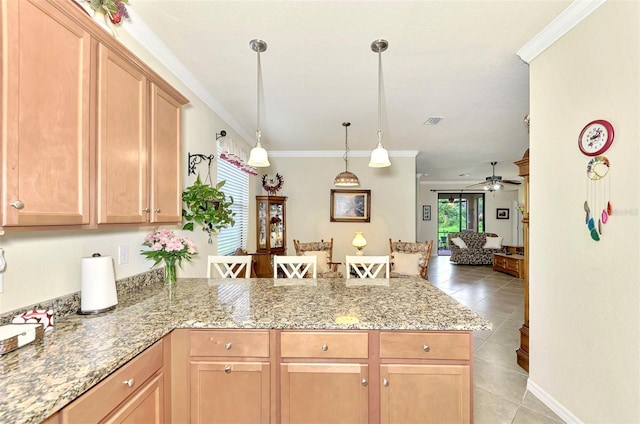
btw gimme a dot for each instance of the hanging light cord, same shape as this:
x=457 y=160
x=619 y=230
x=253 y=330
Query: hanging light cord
x=259 y=68
x=379 y=94
x=346 y=149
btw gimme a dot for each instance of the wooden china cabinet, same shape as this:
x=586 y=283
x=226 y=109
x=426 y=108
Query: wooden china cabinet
x=271 y=227
x=523 y=351
x=271 y=224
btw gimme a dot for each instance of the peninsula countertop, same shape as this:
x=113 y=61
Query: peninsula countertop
x=41 y=378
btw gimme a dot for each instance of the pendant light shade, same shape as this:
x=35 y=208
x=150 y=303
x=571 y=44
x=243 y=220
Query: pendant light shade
x=258 y=156
x=379 y=156
x=346 y=178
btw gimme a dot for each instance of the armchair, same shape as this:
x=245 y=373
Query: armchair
x=410 y=258
x=324 y=251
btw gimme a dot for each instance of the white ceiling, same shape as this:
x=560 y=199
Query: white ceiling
x=451 y=58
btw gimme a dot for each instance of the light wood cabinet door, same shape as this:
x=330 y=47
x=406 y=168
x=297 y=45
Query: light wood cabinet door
x=166 y=186
x=45 y=122
x=230 y=392
x=427 y=394
x=122 y=141
x=133 y=389
x=146 y=406
x=324 y=393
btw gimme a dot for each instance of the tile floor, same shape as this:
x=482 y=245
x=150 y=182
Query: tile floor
x=499 y=384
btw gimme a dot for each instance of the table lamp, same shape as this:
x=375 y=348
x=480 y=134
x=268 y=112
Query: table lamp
x=359 y=243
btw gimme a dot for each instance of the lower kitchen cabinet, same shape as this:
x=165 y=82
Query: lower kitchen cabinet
x=230 y=376
x=324 y=393
x=320 y=376
x=425 y=394
x=146 y=406
x=134 y=393
x=230 y=392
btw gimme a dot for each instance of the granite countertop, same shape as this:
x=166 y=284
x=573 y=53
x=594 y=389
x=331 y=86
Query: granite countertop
x=41 y=378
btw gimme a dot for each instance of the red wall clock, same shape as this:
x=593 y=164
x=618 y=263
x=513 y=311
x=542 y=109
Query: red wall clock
x=596 y=137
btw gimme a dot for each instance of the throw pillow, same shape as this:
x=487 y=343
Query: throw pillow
x=323 y=259
x=406 y=263
x=459 y=242
x=493 y=243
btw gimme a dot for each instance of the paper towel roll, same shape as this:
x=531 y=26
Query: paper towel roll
x=98 y=285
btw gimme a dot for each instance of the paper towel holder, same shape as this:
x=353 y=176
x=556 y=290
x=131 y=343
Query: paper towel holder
x=98 y=293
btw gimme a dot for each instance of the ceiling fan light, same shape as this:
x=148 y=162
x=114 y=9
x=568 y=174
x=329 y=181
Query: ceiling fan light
x=379 y=157
x=498 y=186
x=258 y=157
x=346 y=179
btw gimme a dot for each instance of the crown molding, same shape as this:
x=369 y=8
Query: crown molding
x=140 y=32
x=337 y=153
x=563 y=23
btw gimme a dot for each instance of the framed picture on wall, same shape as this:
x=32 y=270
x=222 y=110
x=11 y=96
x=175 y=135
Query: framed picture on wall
x=350 y=206
x=502 y=213
x=426 y=212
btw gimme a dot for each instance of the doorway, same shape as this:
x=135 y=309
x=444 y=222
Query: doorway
x=458 y=212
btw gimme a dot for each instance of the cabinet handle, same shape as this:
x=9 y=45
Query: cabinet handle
x=227 y=346
x=364 y=382
x=426 y=348
x=227 y=369
x=129 y=383
x=157 y=210
x=325 y=348
x=385 y=382
x=145 y=210
x=17 y=204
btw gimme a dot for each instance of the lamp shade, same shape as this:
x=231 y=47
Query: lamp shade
x=346 y=179
x=379 y=157
x=359 y=241
x=258 y=157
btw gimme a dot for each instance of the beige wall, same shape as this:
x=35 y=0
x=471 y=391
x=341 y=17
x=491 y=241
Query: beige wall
x=46 y=265
x=308 y=183
x=585 y=295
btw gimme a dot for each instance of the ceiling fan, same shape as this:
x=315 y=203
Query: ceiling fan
x=494 y=182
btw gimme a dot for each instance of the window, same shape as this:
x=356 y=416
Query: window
x=237 y=186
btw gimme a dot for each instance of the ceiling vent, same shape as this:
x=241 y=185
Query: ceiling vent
x=433 y=120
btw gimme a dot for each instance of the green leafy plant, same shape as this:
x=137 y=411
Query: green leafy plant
x=207 y=206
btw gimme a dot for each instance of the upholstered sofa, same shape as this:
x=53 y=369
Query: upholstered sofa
x=474 y=253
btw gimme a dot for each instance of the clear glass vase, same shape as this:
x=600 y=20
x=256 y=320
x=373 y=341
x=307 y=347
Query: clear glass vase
x=170 y=275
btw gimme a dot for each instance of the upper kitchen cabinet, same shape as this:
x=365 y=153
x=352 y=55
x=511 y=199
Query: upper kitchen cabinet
x=91 y=135
x=46 y=67
x=166 y=187
x=122 y=140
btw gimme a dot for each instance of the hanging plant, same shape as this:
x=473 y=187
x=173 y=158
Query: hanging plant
x=207 y=206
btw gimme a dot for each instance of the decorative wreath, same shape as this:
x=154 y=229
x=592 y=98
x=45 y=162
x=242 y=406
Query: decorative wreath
x=272 y=185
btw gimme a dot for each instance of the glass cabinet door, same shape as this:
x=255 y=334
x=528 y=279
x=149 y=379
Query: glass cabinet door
x=262 y=225
x=271 y=224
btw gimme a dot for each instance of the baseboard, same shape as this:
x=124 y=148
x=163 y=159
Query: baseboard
x=559 y=409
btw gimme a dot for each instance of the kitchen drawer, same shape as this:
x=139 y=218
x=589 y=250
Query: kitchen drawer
x=98 y=402
x=324 y=345
x=425 y=345
x=244 y=343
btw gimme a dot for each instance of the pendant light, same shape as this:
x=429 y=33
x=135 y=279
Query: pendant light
x=379 y=156
x=346 y=178
x=258 y=155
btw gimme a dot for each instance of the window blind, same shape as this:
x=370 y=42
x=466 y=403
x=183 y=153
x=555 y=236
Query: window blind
x=237 y=186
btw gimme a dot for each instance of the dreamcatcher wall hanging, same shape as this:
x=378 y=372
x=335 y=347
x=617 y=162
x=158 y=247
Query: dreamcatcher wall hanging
x=595 y=139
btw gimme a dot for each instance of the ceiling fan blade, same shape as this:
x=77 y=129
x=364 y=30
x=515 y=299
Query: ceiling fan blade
x=516 y=182
x=476 y=184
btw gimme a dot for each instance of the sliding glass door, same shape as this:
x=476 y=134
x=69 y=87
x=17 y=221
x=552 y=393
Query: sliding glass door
x=459 y=212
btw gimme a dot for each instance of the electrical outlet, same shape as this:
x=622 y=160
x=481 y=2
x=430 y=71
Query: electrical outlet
x=123 y=255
